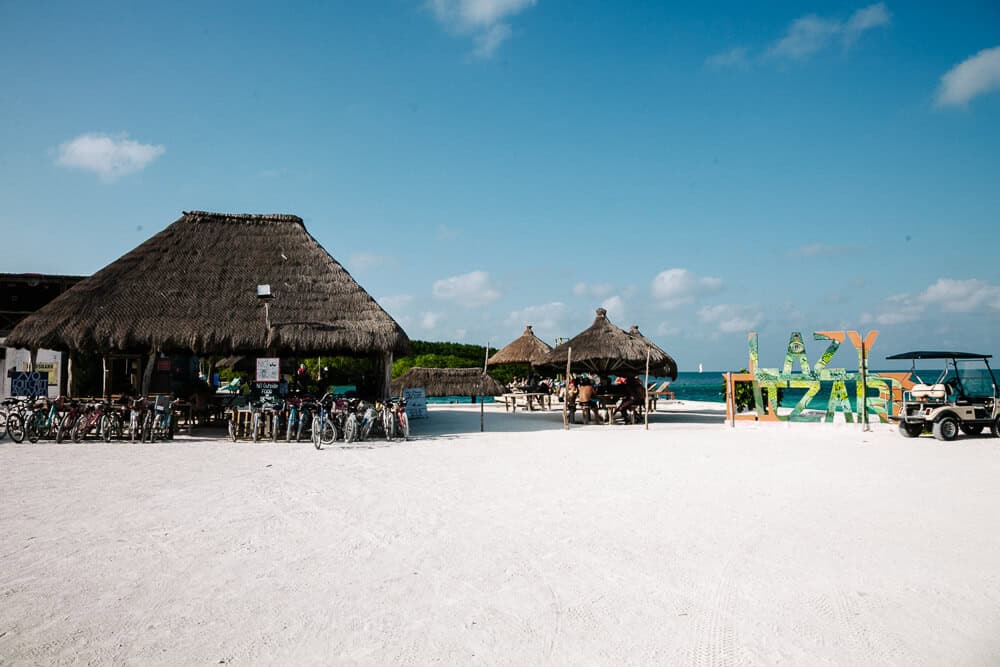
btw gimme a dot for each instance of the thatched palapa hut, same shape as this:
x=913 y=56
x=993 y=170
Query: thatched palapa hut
x=604 y=349
x=193 y=288
x=448 y=382
x=525 y=349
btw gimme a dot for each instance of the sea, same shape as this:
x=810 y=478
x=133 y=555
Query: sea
x=707 y=386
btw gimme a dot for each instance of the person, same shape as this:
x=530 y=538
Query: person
x=631 y=399
x=302 y=376
x=569 y=395
x=587 y=399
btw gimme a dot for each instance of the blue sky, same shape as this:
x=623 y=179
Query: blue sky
x=701 y=171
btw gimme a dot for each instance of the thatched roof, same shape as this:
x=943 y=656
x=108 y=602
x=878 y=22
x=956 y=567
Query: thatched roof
x=448 y=382
x=605 y=349
x=192 y=287
x=525 y=349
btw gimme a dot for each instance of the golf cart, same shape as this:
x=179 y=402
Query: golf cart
x=963 y=399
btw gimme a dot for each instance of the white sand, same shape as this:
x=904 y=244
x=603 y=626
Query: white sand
x=688 y=544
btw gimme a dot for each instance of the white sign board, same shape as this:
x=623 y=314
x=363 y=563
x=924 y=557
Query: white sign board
x=268 y=369
x=416 y=403
x=47 y=361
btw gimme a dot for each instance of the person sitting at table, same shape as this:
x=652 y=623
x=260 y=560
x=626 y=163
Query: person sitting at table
x=587 y=400
x=631 y=399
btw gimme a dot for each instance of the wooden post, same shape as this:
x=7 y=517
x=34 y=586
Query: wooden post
x=482 y=405
x=147 y=373
x=569 y=358
x=69 y=374
x=105 y=388
x=864 y=388
x=32 y=359
x=645 y=410
x=387 y=375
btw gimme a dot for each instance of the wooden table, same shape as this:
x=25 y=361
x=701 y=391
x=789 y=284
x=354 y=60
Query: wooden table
x=529 y=398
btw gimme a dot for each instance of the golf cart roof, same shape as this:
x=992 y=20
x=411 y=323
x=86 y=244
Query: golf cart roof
x=923 y=354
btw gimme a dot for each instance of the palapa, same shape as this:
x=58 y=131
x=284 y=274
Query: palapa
x=192 y=288
x=525 y=349
x=604 y=349
x=448 y=382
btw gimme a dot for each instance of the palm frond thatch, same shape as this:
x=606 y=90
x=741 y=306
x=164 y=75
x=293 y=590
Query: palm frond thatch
x=525 y=349
x=192 y=287
x=448 y=382
x=605 y=349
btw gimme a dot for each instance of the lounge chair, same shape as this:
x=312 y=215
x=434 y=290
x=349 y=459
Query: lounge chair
x=663 y=391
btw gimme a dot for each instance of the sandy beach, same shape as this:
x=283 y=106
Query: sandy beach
x=689 y=544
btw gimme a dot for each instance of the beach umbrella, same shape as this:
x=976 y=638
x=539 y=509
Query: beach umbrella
x=605 y=349
x=525 y=349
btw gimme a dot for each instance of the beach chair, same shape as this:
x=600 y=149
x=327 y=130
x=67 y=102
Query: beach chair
x=663 y=391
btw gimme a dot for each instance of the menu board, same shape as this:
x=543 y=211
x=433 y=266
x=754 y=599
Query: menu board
x=268 y=369
x=416 y=403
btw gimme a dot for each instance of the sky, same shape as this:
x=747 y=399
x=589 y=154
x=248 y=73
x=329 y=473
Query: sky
x=701 y=171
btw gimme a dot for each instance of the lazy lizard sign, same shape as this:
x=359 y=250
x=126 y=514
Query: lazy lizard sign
x=874 y=392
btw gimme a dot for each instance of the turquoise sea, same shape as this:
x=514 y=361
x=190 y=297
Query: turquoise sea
x=708 y=386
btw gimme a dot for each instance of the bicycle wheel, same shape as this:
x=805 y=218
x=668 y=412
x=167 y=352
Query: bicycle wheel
x=15 y=427
x=105 y=428
x=351 y=428
x=255 y=428
x=275 y=425
x=31 y=427
x=62 y=431
x=292 y=430
x=388 y=423
x=79 y=429
x=231 y=425
x=404 y=426
x=327 y=432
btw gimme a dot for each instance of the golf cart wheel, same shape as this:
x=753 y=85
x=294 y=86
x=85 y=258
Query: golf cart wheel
x=946 y=429
x=910 y=430
x=995 y=428
x=971 y=429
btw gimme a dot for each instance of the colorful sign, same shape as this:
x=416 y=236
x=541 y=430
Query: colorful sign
x=875 y=393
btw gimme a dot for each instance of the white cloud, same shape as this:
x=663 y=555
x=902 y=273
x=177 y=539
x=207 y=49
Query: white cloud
x=810 y=34
x=962 y=296
x=736 y=57
x=487 y=21
x=676 y=287
x=615 y=306
x=395 y=302
x=596 y=291
x=547 y=317
x=872 y=16
x=431 y=320
x=731 y=318
x=108 y=157
x=470 y=289
x=970 y=78
x=946 y=294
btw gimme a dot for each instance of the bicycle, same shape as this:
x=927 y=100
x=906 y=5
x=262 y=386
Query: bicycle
x=324 y=431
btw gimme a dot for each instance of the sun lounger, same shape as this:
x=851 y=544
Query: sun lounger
x=663 y=391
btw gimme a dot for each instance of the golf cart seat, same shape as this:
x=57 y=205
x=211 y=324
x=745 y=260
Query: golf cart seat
x=923 y=392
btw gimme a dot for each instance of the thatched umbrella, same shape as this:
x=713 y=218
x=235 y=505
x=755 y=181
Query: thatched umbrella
x=448 y=382
x=193 y=288
x=669 y=368
x=604 y=349
x=525 y=349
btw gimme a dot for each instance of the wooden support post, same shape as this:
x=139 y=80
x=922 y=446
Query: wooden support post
x=645 y=410
x=69 y=374
x=569 y=358
x=147 y=373
x=386 y=374
x=105 y=385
